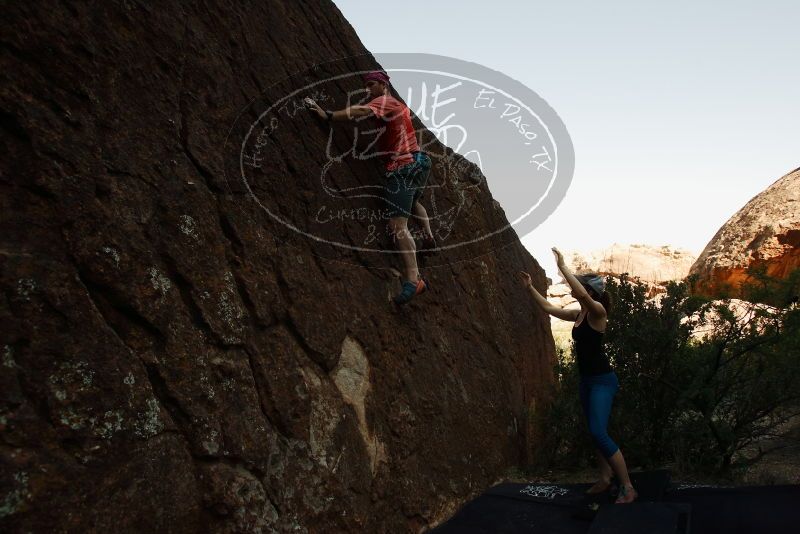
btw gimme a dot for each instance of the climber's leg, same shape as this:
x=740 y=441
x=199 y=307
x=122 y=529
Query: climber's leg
x=421 y=216
x=398 y=227
x=421 y=172
x=413 y=283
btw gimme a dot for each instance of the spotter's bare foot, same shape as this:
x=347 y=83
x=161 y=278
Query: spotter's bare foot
x=626 y=494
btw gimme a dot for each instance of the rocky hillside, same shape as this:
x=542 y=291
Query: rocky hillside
x=174 y=359
x=652 y=264
x=765 y=232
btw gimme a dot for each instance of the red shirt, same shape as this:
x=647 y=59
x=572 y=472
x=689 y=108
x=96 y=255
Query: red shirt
x=399 y=140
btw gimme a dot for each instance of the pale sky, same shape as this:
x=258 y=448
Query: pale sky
x=680 y=112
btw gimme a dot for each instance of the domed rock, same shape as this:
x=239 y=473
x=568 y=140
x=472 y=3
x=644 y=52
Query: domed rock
x=765 y=232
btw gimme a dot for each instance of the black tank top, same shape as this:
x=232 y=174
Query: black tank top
x=592 y=359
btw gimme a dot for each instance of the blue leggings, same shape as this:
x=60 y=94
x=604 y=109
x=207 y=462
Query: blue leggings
x=597 y=393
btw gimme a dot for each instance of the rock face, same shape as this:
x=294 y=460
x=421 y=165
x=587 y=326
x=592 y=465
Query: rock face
x=172 y=359
x=765 y=232
x=655 y=265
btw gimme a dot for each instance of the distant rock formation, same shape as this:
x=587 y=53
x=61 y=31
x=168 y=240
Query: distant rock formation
x=653 y=264
x=765 y=232
x=650 y=265
x=172 y=358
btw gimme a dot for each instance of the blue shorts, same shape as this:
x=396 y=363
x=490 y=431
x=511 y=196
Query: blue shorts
x=405 y=185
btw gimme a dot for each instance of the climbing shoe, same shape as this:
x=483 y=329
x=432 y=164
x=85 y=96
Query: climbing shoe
x=410 y=290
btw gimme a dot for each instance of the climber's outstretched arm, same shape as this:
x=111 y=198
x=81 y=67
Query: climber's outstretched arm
x=346 y=114
x=353 y=112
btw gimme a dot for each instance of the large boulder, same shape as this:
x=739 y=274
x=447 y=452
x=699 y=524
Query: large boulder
x=172 y=359
x=765 y=233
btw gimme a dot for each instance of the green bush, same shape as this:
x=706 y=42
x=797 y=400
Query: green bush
x=696 y=402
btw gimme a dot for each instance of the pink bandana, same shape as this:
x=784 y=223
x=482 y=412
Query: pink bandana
x=378 y=76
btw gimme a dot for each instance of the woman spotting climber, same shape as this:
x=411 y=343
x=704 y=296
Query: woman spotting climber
x=598 y=382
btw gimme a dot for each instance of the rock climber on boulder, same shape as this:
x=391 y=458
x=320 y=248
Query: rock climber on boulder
x=407 y=170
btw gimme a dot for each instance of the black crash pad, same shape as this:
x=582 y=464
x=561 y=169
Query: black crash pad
x=642 y=517
x=651 y=486
x=564 y=509
x=742 y=510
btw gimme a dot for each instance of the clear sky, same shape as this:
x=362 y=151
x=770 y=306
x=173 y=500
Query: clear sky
x=680 y=111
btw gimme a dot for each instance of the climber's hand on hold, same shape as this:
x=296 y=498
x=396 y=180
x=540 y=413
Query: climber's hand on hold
x=314 y=107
